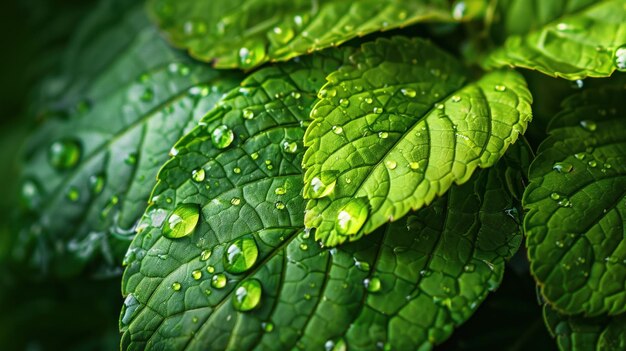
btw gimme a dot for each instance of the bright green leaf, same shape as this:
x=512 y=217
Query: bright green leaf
x=577 y=206
x=407 y=286
x=239 y=33
x=90 y=167
x=585 y=334
x=584 y=38
x=396 y=129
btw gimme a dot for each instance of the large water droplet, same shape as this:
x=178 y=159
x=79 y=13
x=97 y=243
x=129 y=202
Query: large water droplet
x=182 y=221
x=241 y=255
x=352 y=216
x=64 y=154
x=247 y=295
x=323 y=185
x=620 y=58
x=222 y=137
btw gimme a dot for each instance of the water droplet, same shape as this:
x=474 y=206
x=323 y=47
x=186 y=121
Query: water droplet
x=254 y=155
x=268 y=327
x=64 y=154
x=580 y=156
x=210 y=269
x=469 y=267
x=96 y=183
x=414 y=166
x=196 y=275
x=565 y=202
x=456 y=98
x=378 y=110
x=131 y=159
x=182 y=221
x=198 y=175
x=368 y=100
x=440 y=106
x=352 y=216
x=592 y=163
x=248 y=114
x=372 y=284
x=222 y=137
x=408 y=92
x=205 y=255
x=247 y=295
x=323 y=185
x=425 y=272
x=383 y=135
x=128 y=310
x=562 y=167
x=340 y=345
x=280 y=191
x=344 y=102
x=304 y=247
x=236 y=170
x=241 y=255
x=219 y=280
x=296 y=95
x=555 y=196
x=279 y=205
x=588 y=125
x=235 y=201
x=362 y=265
x=176 y=286
x=290 y=147
x=337 y=129
x=620 y=58
x=391 y=164
x=559 y=243
x=31 y=194
x=500 y=88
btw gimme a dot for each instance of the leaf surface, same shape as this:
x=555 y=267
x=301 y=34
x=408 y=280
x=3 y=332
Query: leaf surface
x=246 y=34
x=425 y=274
x=396 y=129
x=583 y=334
x=578 y=39
x=575 y=226
x=89 y=170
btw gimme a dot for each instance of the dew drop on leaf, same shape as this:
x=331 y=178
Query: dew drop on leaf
x=290 y=147
x=588 y=125
x=31 y=194
x=64 y=154
x=383 y=135
x=500 y=88
x=391 y=164
x=408 y=92
x=176 y=286
x=96 y=183
x=196 y=275
x=182 y=221
x=344 y=102
x=268 y=327
x=248 y=114
x=222 y=137
x=247 y=295
x=372 y=284
x=337 y=129
x=198 y=175
x=218 y=281
x=128 y=310
x=73 y=194
x=280 y=191
x=241 y=255
x=205 y=255
x=555 y=196
x=323 y=185
x=279 y=205
x=352 y=216
x=562 y=167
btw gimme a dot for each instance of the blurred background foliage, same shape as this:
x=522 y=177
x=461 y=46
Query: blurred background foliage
x=40 y=312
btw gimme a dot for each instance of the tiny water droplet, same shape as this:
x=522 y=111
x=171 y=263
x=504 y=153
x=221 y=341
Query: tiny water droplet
x=469 y=267
x=222 y=137
x=456 y=98
x=588 y=125
x=304 y=247
x=592 y=163
x=96 y=183
x=248 y=114
x=280 y=191
x=378 y=110
x=383 y=135
x=182 y=221
x=368 y=100
x=268 y=327
x=414 y=166
x=323 y=185
x=337 y=129
x=408 y=92
x=391 y=164
x=147 y=95
x=236 y=170
x=580 y=156
x=362 y=265
x=73 y=194
x=562 y=167
x=344 y=102
x=290 y=147
x=235 y=201
x=620 y=58
x=254 y=155
x=205 y=255
x=210 y=269
x=500 y=88
x=176 y=286
x=279 y=205
x=241 y=255
x=131 y=159
x=372 y=284
x=555 y=196
x=64 y=154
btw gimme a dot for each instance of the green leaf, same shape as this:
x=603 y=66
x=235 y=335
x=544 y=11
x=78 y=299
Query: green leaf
x=246 y=34
x=575 y=225
x=396 y=129
x=581 y=39
x=584 y=334
x=88 y=175
x=424 y=275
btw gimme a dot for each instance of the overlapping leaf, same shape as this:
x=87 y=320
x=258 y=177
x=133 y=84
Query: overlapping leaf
x=245 y=34
x=578 y=39
x=88 y=175
x=396 y=129
x=577 y=206
x=407 y=286
x=585 y=334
